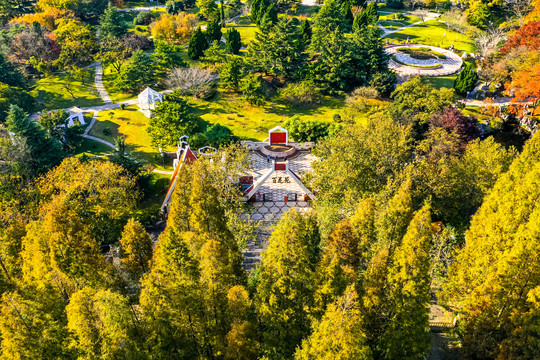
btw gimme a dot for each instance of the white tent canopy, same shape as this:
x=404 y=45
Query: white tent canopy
x=148 y=99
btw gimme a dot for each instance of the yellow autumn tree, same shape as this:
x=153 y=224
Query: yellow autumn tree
x=136 y=246
x=173 y=29
x=407 y=336
x=495 y=277
x=339 y=334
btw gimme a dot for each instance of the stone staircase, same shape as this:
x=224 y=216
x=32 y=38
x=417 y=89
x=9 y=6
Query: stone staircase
x=253 y=254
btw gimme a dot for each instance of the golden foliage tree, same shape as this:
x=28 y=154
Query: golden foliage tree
x=495 y=277
x=339 y=334
x=173 y=29
x=136 y=248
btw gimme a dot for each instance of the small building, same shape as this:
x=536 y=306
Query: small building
x=148 y=100
x=75 y=113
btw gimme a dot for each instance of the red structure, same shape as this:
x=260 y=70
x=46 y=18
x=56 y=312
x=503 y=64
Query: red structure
x=278 y=135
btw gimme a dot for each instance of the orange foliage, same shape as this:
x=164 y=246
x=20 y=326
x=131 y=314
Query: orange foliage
x=46 y=18
x=173 y=29
x=527 y=35
x=535 y=14
x=525 y=86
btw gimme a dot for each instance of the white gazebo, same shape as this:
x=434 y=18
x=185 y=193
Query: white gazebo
x=148 y=99
x=75 y=113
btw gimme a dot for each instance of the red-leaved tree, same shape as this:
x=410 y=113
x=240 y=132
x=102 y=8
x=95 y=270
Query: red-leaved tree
x=454 y=121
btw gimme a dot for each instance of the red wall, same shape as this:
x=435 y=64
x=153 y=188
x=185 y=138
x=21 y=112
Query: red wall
x=278 y=138
x=280 y=166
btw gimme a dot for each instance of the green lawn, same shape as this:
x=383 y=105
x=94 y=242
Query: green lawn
x=440 y=81
x=247 y=31
x=433 y=33
x=390 y=23
x=108 y=81
x=132 y=124
x=60 y=92
x=252 y=122
x=92 y=148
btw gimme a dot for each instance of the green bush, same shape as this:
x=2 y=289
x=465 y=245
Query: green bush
x=304 y=93
x=310 y=130
x=143 y=18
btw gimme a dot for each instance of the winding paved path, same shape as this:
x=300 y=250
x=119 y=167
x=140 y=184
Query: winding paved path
x=98 y=80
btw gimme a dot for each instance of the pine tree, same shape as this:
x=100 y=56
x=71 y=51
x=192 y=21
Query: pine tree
x=306 y=32
x=136 y=248
x=231 y=73
x=326 y=22
x=280 y=52
x=285 y=290
x=407 y=337
x=213 y=31
x=466 y=80
x=111 y=24
x=370 y=46
x=346 y=11
x=197 y=44
x=233 y=42
x=44 y=150
x=339 y=334
x=372 y=15
x=138 y=73
x=255 y=5
x=361 y=21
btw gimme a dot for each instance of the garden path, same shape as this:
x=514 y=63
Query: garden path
x=98 y=80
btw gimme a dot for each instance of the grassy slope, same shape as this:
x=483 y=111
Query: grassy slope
x=132 y=124
x=252 y=122
x=432 y=33
x=51 y=93
x=440 y=81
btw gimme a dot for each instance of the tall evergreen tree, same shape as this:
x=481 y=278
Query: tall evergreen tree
x=371 y=13
x=213 y=31
x=346 y=11
x=466 y=80
x=231 y=73
x=306 y=32
x=233 y=41
x=45 y=151
x=360 y=22
x=111 y=24
x=197 y=44
x=326 y=22
x=138 y=73
x=280 y=52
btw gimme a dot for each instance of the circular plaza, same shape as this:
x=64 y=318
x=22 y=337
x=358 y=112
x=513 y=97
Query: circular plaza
x=422 y=60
